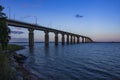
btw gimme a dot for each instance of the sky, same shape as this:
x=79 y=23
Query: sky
x=100 y=21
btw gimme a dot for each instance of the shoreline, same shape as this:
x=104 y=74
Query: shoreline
x=19 y=71
x=22 y=72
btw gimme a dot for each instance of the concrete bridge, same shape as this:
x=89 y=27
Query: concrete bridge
x=71 y=37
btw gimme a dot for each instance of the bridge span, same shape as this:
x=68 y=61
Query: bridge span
x=71 y=37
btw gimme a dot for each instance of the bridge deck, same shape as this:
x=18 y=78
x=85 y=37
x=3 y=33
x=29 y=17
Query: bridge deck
x=16 y=23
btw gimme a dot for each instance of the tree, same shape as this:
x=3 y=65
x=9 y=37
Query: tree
x=4 y=30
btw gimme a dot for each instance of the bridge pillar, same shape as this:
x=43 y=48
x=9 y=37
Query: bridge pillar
x=67 y=38
x=56 y=38
x=87 y=40
x=82 y=39
x=46 y=38
x=71 y=39
x=74 y=39
x=31 y=37
x=63 y=39
x=78 y=39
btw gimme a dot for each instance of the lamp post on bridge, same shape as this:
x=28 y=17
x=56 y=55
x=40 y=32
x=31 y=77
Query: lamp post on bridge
x=9 y=12
x=35 y=19
x=32 y=16
x=14 y=16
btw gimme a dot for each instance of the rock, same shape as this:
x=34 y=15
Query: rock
x=22 y=72
x=20 y=58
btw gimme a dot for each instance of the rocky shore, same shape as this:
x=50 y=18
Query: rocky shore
x=22 y=73
x=12 y=65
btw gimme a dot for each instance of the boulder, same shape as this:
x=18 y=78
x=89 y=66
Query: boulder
x=20 y=58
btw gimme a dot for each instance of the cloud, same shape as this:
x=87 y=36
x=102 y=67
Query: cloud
x=78 y=16
x=17 y=32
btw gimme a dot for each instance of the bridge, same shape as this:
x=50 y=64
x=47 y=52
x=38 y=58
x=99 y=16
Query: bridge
x=70 y=39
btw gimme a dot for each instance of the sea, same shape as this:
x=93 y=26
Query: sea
x=84 y=61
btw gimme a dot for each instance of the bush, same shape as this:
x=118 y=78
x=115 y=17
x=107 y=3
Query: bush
x=6 y=72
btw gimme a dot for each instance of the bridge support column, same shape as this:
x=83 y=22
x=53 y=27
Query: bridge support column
x=71 y=39
x=46 y=38
x=67 y=39
x=86 y=40
x=31 y=37
x=82 y=39
x=74 y=39
x=78 y=39
x=56 y=38
x=63 y=39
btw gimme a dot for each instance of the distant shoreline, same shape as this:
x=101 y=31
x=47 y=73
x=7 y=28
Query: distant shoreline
x=60 y=42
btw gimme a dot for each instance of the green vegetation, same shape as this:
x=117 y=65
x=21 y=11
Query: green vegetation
x=6 y=71
x=4 y=30
x=13 y=47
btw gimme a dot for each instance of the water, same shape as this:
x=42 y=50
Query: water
x=90 y=61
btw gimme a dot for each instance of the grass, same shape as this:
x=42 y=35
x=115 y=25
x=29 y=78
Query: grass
x=6 y=71
x=13 y=47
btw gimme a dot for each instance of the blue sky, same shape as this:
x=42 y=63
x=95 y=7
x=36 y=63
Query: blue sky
x=101 y=19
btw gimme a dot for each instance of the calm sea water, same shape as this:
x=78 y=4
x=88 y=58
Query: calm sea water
x=90 y=61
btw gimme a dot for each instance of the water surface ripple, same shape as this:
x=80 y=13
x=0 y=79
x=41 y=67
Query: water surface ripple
x=91 y=61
